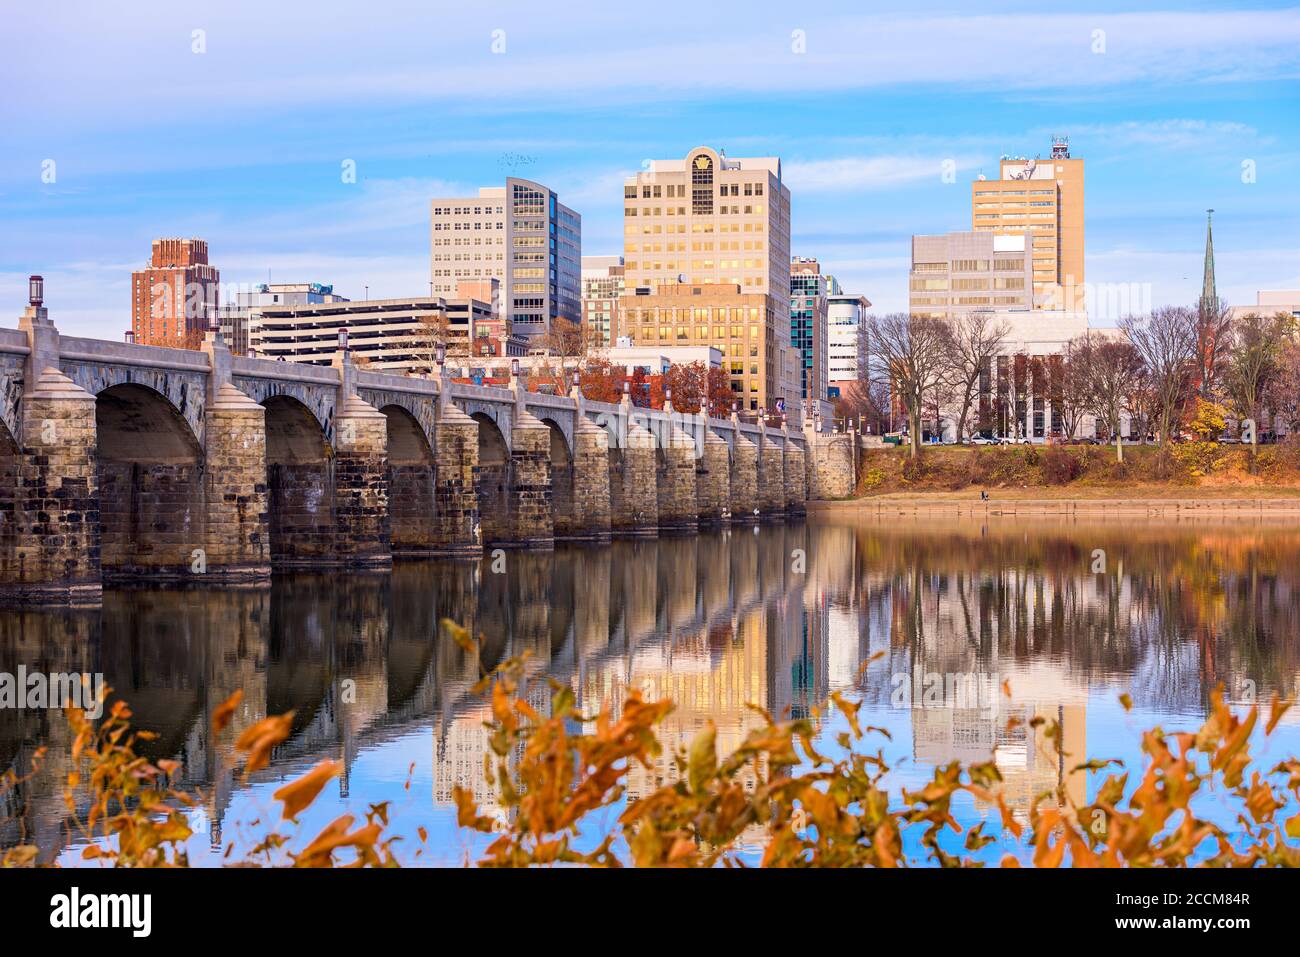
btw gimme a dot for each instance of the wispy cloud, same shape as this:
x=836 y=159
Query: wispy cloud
x=872 y=172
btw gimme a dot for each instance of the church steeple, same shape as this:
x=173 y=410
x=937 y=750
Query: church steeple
x=1209 y=294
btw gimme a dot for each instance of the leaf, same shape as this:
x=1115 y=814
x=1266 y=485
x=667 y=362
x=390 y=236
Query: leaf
x=223 y=712
x=1127 y=701
x=703 y=760
x=457 y=633
x=298 y=794
x=260 y=738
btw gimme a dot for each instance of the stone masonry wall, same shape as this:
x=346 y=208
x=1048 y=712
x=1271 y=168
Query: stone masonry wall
x=237 y=541
x=744 y=480
x=56 y=507
x=636 y=506
x=530 y=487
x=591 y=493
x=713 y=480
x=771 y=477
x=795 y=476
x=361 y=486
x=831 y=473
x=676 y=477
x=455 y=499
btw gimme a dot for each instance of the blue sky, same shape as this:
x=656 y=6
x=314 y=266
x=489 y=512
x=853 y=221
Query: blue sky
x=243 y=143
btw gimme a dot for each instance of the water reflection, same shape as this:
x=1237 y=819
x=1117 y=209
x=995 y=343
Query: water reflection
x=926 y=621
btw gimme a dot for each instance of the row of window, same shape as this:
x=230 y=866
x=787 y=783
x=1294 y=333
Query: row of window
x=467 y=210
x=657 y=228
x=752 y=209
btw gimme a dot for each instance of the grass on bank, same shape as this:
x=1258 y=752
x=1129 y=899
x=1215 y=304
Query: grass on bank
x=1193 y=470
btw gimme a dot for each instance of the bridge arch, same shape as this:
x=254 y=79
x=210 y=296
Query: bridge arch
x=411 y=477
x=300 y=483
x=493 y=484
x=150 y=468
x=562 y=473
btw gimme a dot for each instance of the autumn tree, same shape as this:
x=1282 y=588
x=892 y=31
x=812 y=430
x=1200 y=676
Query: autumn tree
x=912 y=352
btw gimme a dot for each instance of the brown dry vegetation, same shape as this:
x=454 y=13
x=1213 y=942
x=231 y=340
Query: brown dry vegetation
x=1189 y=469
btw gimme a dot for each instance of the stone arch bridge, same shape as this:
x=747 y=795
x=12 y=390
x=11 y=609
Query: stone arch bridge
x=121 y=462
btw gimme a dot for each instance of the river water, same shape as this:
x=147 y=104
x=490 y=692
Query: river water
x=924 y=620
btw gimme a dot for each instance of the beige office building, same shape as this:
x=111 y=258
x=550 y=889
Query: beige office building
x=715 y=229
x=955 y=273
x=1042 y=200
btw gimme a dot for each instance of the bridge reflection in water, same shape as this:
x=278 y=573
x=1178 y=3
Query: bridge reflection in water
x=776 y=617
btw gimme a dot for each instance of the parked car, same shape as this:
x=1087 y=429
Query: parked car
x=983 y=440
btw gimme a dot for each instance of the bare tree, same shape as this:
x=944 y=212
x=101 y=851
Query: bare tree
x=976 y=341
x=431 y=328
x=1166 y=341
x=1074 y=396
x=1256 y=345
x=1113 y=370
x=912 y=351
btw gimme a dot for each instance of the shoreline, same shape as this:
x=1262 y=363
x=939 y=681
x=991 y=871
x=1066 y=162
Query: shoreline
x=949 y=504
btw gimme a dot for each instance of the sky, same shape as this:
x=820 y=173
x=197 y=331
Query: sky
x=234 y=121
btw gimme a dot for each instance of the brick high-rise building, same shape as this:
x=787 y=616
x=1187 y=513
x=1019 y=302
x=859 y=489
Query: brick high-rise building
x=175 y=299
x=1041 y=199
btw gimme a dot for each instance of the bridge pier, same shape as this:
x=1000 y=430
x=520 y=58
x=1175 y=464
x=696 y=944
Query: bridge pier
x=744 y=479
x=55 y=554
x=771 y=477
x=455 y=500
x=634 y=508
x=363 y=531
x=792 y=467
x=591 y=491
x=713 y=480
x=531 y=515
x=676 y=481
x=237 y=544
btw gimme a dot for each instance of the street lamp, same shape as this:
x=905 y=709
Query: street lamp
x=440 y=355
x=35 y=291
x=343 y=339
x=514 y=367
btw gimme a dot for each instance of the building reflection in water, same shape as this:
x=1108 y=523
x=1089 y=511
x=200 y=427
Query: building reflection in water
x=718 y=622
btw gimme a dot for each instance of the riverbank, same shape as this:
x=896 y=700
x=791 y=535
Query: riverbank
x=1187 y=475
x=1095 y=503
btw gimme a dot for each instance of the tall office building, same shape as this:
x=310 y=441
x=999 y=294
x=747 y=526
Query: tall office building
x=602 y=288
x=174 y=299
x=1041 y=199
x=955 y=273
x=846 y=318
x=808 y=330
x=717 y=228
x=519 y=234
